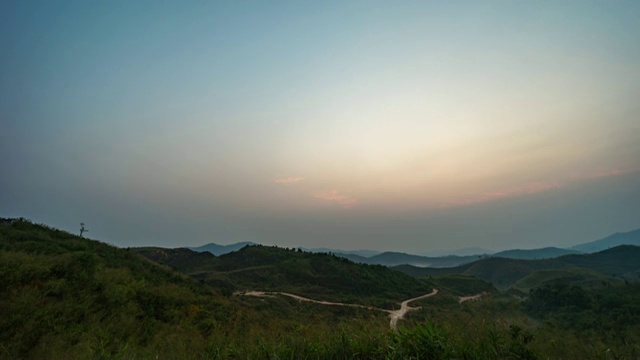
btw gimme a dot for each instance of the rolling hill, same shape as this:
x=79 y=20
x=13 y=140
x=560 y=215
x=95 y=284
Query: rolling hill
x=63 y=296
x=317 y=275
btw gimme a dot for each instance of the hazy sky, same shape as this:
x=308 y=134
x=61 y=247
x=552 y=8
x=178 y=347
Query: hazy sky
x=401 y=125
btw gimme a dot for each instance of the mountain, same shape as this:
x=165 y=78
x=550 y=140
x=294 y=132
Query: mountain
x=620 y=262
x=217 y=249
x=543 y=253
x=390 y=258
x=362 y=252
x=628 y=238
x=470 y=251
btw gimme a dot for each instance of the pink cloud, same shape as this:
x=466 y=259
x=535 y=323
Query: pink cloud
x=607 y=173
x=288 y=180
x=535 y=187
x=521 y=190
x=332 y=195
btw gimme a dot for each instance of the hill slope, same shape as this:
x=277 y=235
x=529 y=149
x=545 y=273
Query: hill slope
x=63 y=296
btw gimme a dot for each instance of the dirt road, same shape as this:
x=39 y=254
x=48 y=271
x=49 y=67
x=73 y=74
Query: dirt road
x=404 y=308
x=300 y=298
x=395 y=315
x=462 y=299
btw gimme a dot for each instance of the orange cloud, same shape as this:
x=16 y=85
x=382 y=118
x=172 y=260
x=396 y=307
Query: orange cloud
x=332 y=195
x=288 y=180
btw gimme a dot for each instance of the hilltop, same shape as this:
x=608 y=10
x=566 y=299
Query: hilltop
x=62 y=294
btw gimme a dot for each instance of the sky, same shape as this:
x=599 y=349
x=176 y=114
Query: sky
x=406 y=125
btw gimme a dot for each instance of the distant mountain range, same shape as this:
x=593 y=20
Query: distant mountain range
x=458 y=252
x=390 y=258
x=362 y=253
x=628 y=238
x=217 y=250
x=531 y=254
x=620 y=262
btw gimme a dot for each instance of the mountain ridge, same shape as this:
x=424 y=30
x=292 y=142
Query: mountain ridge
x=620 y=238
x=217 y=249
x=531 y=254
x=619 y=262
x=395 y=258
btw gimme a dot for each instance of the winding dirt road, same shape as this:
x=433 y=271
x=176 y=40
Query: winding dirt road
x=462 y=299
x=404 y=308
x=300 y=298
x=395 y=315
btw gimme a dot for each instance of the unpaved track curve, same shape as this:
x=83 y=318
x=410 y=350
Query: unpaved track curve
x=462 y=299
x=404 y=308
x=395 y=315
x=301 y=298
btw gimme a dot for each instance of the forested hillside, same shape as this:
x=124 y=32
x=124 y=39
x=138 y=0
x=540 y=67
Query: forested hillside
x=318 y=275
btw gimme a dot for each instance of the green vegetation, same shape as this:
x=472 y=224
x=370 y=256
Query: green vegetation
x=579 y=276
x=462 y=284
x=316 y=275
x=62 y=296
x=601 y=316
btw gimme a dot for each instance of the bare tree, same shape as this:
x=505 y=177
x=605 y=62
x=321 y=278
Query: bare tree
x=82 y=229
